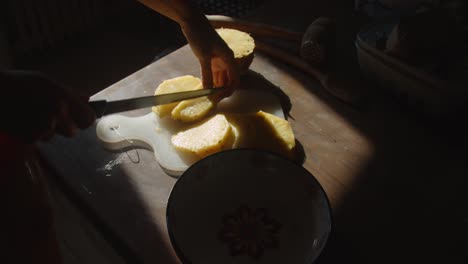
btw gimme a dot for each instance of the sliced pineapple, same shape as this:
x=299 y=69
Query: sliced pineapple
x=205 y=138
x=241 y=43
x=174 y=85
x=280 y=128
x=234 y=139
x=262 y=130
x=193 y=109
x=259 y=130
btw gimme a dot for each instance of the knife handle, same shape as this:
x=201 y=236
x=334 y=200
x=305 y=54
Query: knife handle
x=99 y=107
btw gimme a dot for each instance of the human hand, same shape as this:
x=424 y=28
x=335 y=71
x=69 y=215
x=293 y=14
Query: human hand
x=49 y=106
x=218 y=66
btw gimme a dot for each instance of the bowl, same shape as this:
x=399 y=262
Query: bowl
x=248 y=206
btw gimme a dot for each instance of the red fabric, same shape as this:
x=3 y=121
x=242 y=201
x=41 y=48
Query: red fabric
x=12 y=148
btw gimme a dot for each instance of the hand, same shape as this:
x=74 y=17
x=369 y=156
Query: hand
x=218 y=66
x=49 y=107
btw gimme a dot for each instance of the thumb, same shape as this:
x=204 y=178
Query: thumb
x=84 y=98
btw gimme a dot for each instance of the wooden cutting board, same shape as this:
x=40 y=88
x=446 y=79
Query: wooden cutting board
x=151 y=132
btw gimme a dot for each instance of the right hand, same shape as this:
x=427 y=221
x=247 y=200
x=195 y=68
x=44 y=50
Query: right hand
x=49 y=106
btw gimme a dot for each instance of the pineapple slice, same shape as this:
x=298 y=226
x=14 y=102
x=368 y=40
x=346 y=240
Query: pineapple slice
x=262 y=130
x=193 y=109
x=280 y=128
x=205 y=138
x=259 y=130
x=241 y=44
x=174 y=85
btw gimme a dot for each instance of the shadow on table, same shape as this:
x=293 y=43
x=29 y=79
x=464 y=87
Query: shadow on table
x=259 y=82
x=408 y=203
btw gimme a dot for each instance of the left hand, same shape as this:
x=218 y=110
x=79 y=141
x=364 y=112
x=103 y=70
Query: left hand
x=218 y=66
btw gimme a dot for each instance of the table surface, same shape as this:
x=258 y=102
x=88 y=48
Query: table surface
x=396 y=186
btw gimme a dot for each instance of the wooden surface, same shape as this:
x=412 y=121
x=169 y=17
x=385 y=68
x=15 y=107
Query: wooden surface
x=396 y=184
x=80 y=242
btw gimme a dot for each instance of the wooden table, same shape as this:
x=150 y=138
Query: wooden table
x=397 y=186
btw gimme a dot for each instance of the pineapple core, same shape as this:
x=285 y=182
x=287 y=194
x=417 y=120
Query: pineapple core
x=193 y=109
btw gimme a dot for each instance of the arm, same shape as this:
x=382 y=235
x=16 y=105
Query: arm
x=217 y=62
x=26 y=224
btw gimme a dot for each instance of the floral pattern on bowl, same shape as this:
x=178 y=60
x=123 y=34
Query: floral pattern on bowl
x=250 y=231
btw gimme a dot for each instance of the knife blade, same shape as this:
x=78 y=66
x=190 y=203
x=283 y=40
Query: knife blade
x=104 y=107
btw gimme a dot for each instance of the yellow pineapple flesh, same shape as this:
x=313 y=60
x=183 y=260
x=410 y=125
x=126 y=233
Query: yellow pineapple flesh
x=204 y=138
x=241 y=44
x=174 y=85
x=193 y=109
x=262 y=130
x=280 y=129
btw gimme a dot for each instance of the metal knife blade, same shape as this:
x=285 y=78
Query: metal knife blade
x=103 y=107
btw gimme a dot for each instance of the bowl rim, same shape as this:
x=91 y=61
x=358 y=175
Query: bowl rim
x=180 y=254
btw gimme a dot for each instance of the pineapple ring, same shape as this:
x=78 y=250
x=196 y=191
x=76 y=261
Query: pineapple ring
x=174 y=85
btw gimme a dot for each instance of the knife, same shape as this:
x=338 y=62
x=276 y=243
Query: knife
x=104 y=107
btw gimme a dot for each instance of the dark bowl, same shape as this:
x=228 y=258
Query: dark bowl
x=248 y=206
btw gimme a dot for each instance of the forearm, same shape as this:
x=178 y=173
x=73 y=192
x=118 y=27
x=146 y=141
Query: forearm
x=180 y=11
x=210 y=49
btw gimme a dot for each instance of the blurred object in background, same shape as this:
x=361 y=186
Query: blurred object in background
x=420 y=54
x=5 y=60
x=407 y=4
x=86 y=45
x=381 y=9
x=424 y=38
x=431 y=39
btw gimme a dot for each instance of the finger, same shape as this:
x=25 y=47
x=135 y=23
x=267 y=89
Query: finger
x=80 y=112
x=230 y=78
x=50 y=131
x=232 y=88
x=43 y=126
x=91 y=115
x=207 y=75
x=228 y=91
x=83 y=98
x=67 y=128
x=216 y=79
x=233 y=71
x=65 y=124
x=223 y=78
